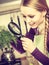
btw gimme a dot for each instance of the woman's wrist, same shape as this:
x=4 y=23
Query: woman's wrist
x=33 y=48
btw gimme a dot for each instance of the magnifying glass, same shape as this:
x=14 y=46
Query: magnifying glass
x=15 y=28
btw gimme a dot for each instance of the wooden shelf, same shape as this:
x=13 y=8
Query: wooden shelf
x=9 y=7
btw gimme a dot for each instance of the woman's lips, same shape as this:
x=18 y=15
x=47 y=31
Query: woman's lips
x=31 y=24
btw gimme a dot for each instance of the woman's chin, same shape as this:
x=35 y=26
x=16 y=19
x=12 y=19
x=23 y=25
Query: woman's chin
x=33 y=26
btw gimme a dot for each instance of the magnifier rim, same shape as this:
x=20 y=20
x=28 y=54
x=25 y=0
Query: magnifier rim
x=10 y=28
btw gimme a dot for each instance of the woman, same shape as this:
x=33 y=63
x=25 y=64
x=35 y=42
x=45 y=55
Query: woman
x=35 y=13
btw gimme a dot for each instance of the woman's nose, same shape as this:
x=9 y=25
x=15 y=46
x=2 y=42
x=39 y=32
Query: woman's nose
x=28 y=19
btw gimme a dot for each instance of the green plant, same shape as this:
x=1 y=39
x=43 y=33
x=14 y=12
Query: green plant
x=5 y=38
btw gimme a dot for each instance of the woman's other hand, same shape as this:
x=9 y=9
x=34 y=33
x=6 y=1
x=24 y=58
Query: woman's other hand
x=28 y=44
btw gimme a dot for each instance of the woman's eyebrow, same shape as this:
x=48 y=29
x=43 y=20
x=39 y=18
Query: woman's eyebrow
x=30 y=15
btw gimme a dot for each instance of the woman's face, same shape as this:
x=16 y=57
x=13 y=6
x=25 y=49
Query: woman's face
x=33 y=17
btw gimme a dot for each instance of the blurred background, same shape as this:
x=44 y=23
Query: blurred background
x=8 y=9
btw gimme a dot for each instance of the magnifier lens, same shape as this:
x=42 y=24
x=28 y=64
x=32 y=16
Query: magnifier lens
x=14 y=28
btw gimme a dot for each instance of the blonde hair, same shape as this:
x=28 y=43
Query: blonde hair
x=40 y=5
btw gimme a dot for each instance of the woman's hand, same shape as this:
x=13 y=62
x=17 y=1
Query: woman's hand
x=28 y=44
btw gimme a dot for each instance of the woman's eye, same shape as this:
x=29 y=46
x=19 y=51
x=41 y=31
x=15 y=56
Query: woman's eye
x=31 y=16
x=24 y=16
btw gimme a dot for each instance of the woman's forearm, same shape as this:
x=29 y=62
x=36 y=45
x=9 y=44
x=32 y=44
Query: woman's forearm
x=40 y=57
